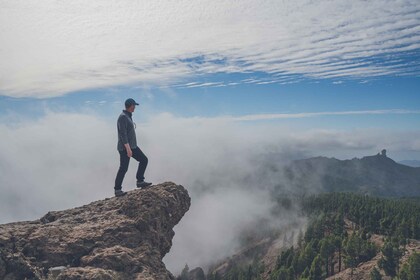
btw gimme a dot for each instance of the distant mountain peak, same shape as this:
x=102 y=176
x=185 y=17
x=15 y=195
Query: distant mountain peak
x=374 y=174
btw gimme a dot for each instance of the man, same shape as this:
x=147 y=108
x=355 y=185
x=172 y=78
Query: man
x=127 y=147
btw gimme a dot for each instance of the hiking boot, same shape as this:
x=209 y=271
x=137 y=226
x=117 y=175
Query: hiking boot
x=143 y=184
x=120 y=193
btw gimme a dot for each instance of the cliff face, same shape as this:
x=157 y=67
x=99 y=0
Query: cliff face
x=114 y=238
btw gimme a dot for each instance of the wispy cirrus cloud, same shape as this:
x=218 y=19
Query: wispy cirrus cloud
x=276 y=116
x=50 y=47
x=317 y=114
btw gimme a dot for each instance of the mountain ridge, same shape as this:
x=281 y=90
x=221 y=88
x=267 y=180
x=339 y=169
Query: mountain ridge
x=375 y=174
x=410 y=162
x=372 y=175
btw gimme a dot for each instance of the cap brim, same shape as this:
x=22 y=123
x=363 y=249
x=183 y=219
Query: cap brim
x=137 y=103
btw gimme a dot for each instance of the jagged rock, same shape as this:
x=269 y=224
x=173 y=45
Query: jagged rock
x=114 y=238
x=76 y=273
x=196 y=274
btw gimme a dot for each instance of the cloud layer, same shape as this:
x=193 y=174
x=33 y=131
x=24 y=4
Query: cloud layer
x=53 y=47
x=63 y=160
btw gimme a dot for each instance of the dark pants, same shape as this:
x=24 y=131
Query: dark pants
x=125 y=160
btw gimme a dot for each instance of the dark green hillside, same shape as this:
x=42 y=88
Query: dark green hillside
x=396 y=217
x=348 y=231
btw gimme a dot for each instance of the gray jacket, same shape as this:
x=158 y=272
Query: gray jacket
x=126 y=133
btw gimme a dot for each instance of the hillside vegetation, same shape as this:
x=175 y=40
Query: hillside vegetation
x=350 y=236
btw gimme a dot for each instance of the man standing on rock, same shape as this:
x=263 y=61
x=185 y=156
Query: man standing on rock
x=127 y=147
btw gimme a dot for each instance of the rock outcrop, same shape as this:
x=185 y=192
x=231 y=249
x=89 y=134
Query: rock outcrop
x=114 y=238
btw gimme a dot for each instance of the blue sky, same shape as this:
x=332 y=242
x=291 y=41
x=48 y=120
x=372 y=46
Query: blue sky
x=314 y=65
x=305 y=96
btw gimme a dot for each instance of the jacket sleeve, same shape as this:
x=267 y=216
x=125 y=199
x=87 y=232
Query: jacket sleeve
x=122 y=130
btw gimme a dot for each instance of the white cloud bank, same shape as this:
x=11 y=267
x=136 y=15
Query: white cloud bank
x=52 y=47
x=64 y=160
x=260 y=117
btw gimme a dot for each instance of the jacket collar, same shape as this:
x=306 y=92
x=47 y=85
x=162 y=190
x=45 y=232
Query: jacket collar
x=127 y=113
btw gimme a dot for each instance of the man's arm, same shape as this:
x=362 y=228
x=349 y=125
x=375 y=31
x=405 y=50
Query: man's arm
x=122 y=132
x=129 y=151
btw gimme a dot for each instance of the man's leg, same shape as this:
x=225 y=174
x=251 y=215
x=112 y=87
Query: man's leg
x=143 y=160
x=124 y=161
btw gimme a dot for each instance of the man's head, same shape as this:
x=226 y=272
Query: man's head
x=130 y=105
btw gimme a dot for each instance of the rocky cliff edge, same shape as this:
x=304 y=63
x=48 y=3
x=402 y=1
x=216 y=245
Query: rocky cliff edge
x=114 y=238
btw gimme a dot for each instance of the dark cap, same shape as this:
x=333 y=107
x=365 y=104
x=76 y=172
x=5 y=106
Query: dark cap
x=129 y=102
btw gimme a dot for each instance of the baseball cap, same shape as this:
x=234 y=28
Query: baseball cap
x=130 y=101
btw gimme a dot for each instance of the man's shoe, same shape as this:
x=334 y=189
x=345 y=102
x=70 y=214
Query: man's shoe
x=143 y=184
x=119 y=192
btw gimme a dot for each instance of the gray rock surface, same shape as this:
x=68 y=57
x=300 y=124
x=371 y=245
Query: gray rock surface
x=114 y=238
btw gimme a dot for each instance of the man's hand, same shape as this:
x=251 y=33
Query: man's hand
x=129 y=151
